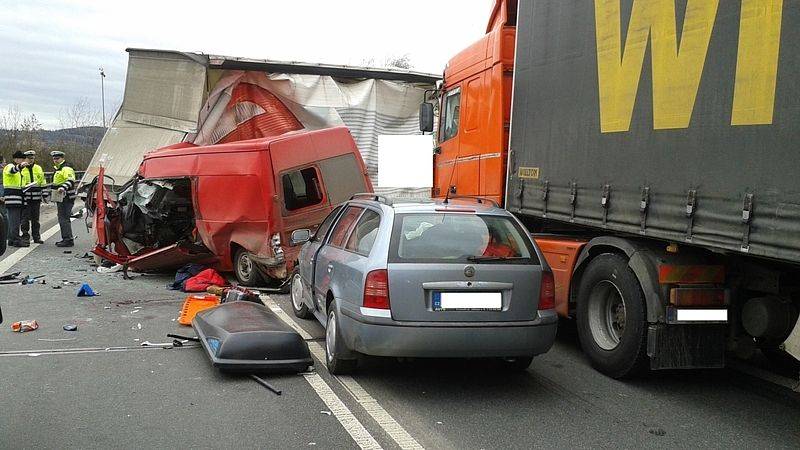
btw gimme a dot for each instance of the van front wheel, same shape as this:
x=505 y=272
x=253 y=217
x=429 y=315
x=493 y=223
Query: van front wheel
x=245 y=268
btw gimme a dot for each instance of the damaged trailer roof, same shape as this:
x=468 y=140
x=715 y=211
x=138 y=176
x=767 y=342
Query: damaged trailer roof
x=172 y=97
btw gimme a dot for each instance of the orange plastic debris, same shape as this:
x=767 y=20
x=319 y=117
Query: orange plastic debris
x=194 y=304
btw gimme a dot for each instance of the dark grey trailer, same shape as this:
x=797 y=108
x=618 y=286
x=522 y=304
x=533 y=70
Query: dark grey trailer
x=671 y=120
x=658 y=140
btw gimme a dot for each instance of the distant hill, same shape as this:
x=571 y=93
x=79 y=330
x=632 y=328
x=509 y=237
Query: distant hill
x=82 y=137
x=78 y=143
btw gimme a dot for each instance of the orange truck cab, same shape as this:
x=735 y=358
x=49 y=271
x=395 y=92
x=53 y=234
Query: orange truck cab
x=633 y=191
x=232 y=206
x=475 y=112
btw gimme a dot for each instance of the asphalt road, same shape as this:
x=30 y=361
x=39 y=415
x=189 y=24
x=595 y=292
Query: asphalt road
x=98 y=388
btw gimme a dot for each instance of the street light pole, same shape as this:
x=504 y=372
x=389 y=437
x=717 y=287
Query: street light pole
x=103 y=95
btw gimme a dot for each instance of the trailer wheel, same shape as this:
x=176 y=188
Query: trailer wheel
x=246 y=271
x=612 y=325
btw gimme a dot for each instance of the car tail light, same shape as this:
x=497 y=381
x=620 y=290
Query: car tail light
x=376 y=289
x=547 y=292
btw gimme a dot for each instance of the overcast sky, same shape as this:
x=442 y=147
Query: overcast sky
x=51 y=50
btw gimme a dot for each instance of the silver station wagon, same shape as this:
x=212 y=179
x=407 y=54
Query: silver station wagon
x=460 y=278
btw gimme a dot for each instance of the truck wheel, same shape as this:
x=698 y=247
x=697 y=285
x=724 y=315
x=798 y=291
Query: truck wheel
x=299 y=307
x=612 y=325
x=335 y=346
x=246 y=271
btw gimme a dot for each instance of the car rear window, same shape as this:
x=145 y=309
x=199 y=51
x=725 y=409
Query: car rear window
x=456 y=237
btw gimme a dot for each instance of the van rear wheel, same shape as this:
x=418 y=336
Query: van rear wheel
x=612 y=324
x=245 y=268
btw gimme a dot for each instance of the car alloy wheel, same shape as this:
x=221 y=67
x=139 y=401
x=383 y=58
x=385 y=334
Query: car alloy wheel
x=330 y=337
x=299 y=307
x=335 y=347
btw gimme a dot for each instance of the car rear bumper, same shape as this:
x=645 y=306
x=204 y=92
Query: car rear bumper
x=382 y=336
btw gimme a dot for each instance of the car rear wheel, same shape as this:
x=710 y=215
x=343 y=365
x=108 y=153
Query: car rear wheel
x=335 y=347
x=298 y=305
x=246 y=271
x=612 y=325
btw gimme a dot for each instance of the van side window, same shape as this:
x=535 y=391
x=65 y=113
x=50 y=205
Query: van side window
x=343 y=226
x=452 y=110
x=363 y=236
x=301 y=188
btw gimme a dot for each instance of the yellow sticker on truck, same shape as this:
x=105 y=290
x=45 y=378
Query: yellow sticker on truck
x=531 y=173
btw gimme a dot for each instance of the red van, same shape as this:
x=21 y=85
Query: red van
x=232 y=206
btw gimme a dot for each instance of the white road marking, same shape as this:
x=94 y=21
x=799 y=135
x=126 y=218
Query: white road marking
x=74 y=351
x=385 y=420
x=17 y=256
x=354 y=428
x=351 y=424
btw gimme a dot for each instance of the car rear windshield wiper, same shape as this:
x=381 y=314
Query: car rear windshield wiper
x=494 y=258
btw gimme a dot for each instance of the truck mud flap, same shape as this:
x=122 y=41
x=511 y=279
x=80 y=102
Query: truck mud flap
x=247 y=337
x=686 y=346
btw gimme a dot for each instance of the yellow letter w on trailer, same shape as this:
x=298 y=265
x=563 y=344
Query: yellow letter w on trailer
x=677 y=67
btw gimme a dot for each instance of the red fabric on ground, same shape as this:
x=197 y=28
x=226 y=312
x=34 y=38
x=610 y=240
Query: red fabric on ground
x=204 y=279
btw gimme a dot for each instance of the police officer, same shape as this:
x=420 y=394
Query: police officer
x=33 y=181
x=64 y=182
x=12 y=194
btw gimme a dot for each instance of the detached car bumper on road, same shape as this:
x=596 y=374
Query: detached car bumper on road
x=382 y=336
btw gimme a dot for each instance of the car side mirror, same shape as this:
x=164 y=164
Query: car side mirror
x=301 y=236
x=426 y=117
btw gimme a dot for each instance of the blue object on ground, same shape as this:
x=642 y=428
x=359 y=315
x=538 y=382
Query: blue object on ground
x=86 y=291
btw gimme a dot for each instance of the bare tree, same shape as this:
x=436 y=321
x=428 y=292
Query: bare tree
x=112 y=111
x=10 y=122
x=400 y=62
x=30 y=134
x=79 y=114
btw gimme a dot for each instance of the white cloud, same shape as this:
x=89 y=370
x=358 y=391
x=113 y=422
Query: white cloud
x=52 y=50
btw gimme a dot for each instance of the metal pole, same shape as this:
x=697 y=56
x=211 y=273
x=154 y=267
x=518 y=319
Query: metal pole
x=103 y=95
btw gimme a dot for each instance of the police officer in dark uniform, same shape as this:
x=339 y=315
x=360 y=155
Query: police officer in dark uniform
x=13 y=198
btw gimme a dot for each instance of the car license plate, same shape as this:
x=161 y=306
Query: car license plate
x=466 y=301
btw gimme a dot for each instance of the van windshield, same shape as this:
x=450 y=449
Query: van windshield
x=455 y=237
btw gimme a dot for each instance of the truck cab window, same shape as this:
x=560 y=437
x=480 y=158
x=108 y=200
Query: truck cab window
x=452 y=110
x=301 y=188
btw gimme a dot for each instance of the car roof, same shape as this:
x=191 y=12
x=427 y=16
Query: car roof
x=428 y=205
